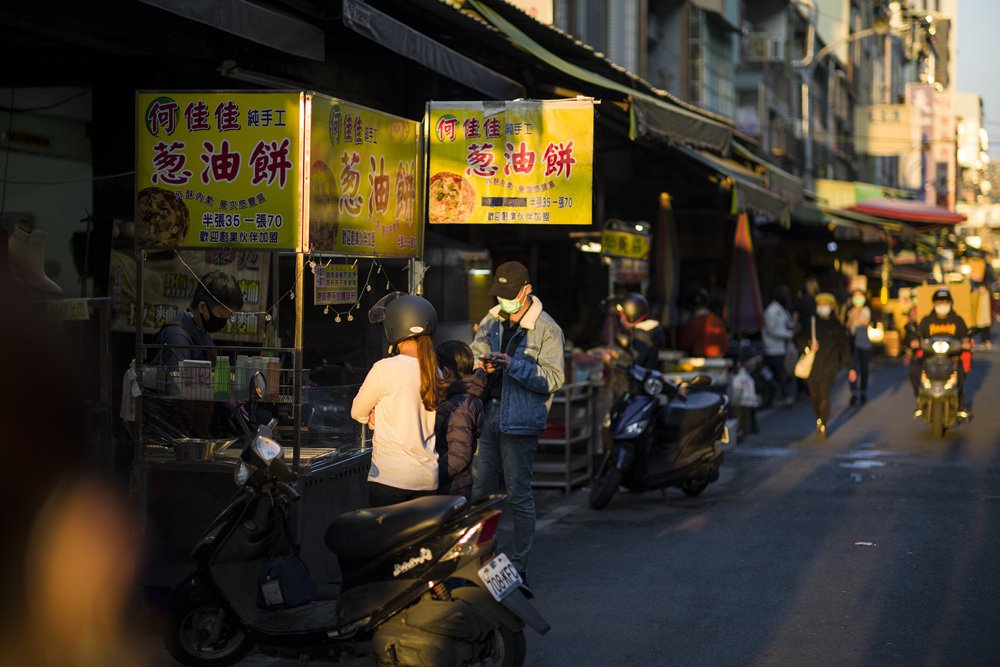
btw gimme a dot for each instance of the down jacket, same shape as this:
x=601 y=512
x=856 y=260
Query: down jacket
x=457 y=432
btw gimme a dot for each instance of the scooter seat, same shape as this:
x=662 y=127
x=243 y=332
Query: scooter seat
x=696 y=410
x=369 y=532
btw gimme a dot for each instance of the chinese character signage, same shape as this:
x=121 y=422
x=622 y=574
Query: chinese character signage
x=624 y=244
x=168 y=286
x=523 y=162
x=335 y=284
x=363 y=195
x=218 y=169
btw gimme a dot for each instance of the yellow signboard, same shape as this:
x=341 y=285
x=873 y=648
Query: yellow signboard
x=521 y=162
x=219 y=169
x=624 y=244
x=363 y=197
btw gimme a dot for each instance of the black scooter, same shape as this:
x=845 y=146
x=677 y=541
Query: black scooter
x=937 y=395
x=422 y=581
x=665 y=434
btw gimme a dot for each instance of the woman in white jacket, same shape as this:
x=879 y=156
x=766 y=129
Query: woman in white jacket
x=776 y=336
x=399 y=399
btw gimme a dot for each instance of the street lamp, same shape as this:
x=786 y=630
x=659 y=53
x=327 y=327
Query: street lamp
x=807 y=68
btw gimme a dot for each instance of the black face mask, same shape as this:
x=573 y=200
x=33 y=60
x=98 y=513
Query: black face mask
x=213 y=322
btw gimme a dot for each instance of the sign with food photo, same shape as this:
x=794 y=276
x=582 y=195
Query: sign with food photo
x=521 y=162
x=363 y=195
x=219 y=169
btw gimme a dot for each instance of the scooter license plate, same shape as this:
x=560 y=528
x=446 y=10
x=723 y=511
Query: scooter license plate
x=500 y=577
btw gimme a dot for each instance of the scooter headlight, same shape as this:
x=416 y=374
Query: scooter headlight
x=266 y=448
x=242 y=474
x=653 y=386
x=635 y=428
x=940 y=346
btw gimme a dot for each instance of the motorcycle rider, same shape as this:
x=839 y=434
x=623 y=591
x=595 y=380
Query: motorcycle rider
x=943 y=321
x=641 y=337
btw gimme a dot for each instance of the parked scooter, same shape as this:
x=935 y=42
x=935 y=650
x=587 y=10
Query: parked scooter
x=937 y=396
x=664 y=434
x=422 y=583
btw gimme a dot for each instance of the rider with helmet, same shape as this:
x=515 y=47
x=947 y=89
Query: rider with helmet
x=641 y=336
x=942 y=321
x=399 y=399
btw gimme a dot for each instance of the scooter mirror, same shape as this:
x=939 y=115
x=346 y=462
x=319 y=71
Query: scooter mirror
x=258 y=386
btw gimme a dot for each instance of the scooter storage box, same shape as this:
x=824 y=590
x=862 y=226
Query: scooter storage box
x=681 y=417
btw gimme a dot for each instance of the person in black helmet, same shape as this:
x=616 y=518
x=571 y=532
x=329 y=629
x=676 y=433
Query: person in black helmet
x=399 y=399
x=943 y=321
x=641 y=337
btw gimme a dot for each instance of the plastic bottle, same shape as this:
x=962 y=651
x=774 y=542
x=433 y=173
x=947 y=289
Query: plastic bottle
x=222 y=383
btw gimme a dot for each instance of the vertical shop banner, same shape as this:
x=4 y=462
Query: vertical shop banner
x=335 y=284
x=168 y=286
x=522 y=162
x=363 y=174
x=219 y=169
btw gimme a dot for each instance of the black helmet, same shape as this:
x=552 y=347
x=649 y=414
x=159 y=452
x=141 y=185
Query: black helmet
x=942 y=294
x=698 y=297
x=404 y=316
x=633 y=307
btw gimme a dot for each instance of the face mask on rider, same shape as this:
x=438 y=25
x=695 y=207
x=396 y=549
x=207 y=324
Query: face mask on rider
x=942 y=309
x=824 y=311
x=858 y=301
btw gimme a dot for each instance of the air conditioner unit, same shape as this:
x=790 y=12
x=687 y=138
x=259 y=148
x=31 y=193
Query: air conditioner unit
x=764 y=47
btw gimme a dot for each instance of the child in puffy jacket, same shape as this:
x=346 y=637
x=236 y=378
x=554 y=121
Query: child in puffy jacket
x=458 y=417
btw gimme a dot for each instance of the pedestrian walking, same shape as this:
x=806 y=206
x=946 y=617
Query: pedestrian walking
x=802 y=311
x=459 y=417
x=398 y=400
x=777 y=337
x=521 y=348
x=832 y=351
x=857 y=319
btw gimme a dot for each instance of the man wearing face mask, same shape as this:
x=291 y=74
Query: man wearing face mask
x=214 y=301
x=521 y=348
x=189 y=336
x=943 y=321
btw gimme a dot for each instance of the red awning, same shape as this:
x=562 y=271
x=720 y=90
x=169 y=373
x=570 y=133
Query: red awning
x=908 y=211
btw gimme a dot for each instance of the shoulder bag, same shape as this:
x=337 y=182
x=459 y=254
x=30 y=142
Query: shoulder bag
x=804 y=366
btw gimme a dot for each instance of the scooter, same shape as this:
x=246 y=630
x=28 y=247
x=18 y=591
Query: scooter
x=664 y=434
x=422 y=582
x=937 y=395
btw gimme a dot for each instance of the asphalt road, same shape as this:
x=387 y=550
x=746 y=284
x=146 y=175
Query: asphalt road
x=874 y=547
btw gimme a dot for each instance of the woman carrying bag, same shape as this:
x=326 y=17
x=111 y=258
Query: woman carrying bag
x=830 y=350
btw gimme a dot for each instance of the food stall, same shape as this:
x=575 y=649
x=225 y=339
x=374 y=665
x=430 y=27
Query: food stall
x=296 y=195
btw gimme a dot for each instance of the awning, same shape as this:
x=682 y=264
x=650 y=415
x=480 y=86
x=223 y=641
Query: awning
x=867 y=222
x=777 y=179
x=913 y=212
x=404 y=40
x=254 y=22
x=749 y=186
x=654 y=116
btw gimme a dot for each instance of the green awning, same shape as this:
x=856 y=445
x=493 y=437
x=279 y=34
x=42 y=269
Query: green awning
x=652 y=116
x=749 y=186
x=778 y=180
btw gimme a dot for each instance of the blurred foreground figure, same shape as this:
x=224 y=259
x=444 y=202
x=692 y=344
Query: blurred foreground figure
x=67 y=565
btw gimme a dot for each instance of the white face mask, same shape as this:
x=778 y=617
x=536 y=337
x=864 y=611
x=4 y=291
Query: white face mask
x=510 y=306
x=824 y=311
x=942 y=309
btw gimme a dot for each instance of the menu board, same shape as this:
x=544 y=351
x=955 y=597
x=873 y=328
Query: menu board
x=219 y=169
x=520 y=162
x=363 y=181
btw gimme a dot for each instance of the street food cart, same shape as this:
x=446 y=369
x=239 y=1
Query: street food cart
x=287 y=190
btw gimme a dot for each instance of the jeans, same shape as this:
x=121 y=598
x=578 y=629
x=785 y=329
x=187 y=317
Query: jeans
x=862 y=359
x=513 y=456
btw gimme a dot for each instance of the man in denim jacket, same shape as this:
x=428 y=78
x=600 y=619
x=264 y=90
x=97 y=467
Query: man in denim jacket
x=521 y=348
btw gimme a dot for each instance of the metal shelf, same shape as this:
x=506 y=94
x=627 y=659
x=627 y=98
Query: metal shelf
x=566 y=462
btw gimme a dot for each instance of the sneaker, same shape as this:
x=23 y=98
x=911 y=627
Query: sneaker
x=820 y=429
x=918 y=413
x=854 y=400
x=962 y=415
